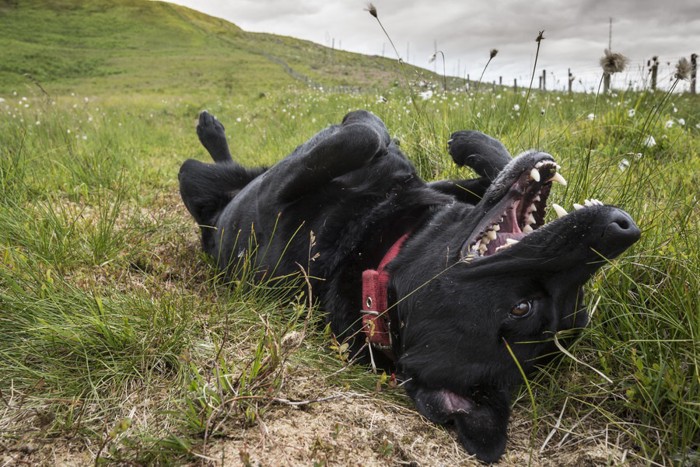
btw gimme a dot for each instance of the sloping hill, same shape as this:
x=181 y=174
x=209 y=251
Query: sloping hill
x=141 y=45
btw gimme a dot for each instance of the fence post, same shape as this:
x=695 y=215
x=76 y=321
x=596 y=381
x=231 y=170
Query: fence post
x=544 y=80
x=571 y=80
x=515 y=85
x=693 y=72
x=654 y=63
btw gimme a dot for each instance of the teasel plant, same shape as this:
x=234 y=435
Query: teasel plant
x=538 y=39
x=373 y=11
x=523 y=119
x=612 y=62
x=492 y=55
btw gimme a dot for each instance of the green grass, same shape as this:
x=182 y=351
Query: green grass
x=116 y=331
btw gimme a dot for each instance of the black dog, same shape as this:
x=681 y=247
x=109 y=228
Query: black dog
x=447 y=282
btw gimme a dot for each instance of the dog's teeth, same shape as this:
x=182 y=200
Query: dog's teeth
x=491 y=235
x=588 y=203
x=482 y=249
x=558 y=178
x=597 y=202
x=530 y=219
x=495 y=227
x=511 y=241
x=485 y=240
x=577 y=206
x=561 y=212
x=537 y=198
x=533 y=208
x=535 y=175
x=527 y=229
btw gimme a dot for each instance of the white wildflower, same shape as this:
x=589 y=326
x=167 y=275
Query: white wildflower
x=681 y=121
x=425 y=95
x=516 y=107
x=649 y=142
x=631 y=113
x=623 y=165
x=591 y=116
x=669 y=124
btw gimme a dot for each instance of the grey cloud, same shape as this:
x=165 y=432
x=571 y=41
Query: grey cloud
x=576 y=31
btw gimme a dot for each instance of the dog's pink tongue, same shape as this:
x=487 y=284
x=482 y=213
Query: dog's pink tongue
x=511 y=221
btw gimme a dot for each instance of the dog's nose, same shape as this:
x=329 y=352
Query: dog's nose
x=620 y=231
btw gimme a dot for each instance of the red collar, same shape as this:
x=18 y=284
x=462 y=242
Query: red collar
x=375 y=316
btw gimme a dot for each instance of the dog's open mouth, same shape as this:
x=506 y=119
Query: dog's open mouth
x=521 y=211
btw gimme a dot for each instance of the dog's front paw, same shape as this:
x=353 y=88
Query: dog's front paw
x=486 y=155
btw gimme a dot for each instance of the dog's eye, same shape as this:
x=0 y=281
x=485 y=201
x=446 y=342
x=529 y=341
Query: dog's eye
x=521 y=309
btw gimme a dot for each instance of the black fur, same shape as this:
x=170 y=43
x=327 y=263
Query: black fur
x=352 y=190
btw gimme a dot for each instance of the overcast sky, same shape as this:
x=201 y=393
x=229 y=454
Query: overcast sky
x=576 y=32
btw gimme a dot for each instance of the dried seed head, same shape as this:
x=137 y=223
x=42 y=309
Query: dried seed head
x=613 y=62
x=291 y=340
x=372 y=10
x=682 y=69
x=493 y=53
x=540 y=36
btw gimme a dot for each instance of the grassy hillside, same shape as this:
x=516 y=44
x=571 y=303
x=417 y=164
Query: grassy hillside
x=144 y=46
x=119 y=343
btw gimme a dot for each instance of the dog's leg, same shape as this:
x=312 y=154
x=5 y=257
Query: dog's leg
x=207 y=188
x=212 y=135
x=487 y=156
x=331 y=153
x=467 y=191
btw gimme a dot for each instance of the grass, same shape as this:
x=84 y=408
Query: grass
x=116 y=333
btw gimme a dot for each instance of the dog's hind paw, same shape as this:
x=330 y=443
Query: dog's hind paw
x=212 y=135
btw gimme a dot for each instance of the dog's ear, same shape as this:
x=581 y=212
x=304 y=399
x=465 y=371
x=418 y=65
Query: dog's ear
x=486 y=155
x=480 y=421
